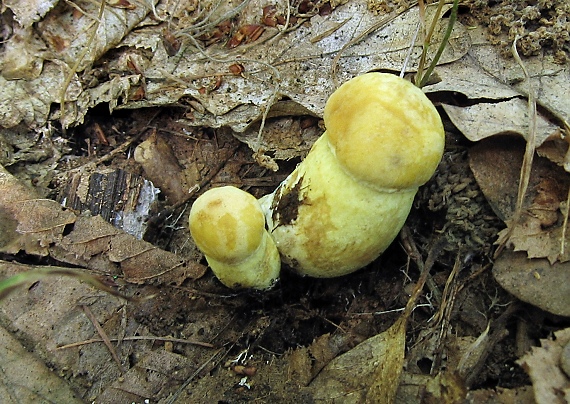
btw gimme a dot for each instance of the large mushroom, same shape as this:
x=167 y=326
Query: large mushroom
x=346 y=202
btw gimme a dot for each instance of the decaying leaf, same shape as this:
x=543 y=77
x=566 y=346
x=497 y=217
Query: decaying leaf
x=26 y=12
x=306 y=362
x=293 y=62
x=26 y=379
x=43 y=227
x=503 y=117
x=161 y=167
x=551 y=385
x=47 y=315
x=370 y=372
x=535 y=281
x=96 y=244
x=492 y=85
x=136 y=386
x=28 y=222
x=540 y=230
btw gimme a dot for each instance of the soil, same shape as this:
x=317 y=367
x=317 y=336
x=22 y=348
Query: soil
x=450 y=221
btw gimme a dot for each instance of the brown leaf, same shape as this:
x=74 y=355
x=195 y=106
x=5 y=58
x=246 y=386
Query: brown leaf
x=496 y=165
x=162 y=167
x=370 y=372
x=535 y=281
x=98 y=244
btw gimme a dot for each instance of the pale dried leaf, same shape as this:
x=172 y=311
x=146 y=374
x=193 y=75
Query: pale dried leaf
x=487 y=119
x=26 y=12
x=29 y=101
x=22 y=55
x=67 y=32
x=297 y=63
x=551 y=385
x=496 y=91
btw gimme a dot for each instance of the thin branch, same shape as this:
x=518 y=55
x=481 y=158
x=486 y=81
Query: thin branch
x=138 y=338
x=104 y=337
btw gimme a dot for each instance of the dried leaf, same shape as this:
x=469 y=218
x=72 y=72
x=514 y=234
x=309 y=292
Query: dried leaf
x=539 y=232
x=26 y=12
x=97 y=244
x=551 y=385
x=486 y=77
x=293 y=62
x=487 y=119
x=26 y=379
x=162 y=168
x=37 y=226
x=370 y=372
x=535 y=281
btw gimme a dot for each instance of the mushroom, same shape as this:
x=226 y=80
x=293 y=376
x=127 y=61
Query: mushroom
x=347 y=200
x=228 y=226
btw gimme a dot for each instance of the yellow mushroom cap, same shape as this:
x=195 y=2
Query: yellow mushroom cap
x=228 y=226
x=384 y=131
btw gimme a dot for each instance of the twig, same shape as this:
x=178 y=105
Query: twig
x=138 y=338
x=424 y=267
x=104 y=336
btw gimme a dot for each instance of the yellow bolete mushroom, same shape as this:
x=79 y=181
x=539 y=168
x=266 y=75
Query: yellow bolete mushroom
x=346 y=202
x=228 y=226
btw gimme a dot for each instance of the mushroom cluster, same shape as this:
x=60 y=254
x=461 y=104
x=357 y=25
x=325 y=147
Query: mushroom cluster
x=347 y=200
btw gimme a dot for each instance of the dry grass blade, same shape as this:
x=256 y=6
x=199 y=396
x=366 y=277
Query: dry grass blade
x=422 y=79
x=104 y=337
x=524 y=178
x=12 y=283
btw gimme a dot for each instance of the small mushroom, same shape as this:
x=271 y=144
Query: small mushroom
x=228 y=226
x=346 y=202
